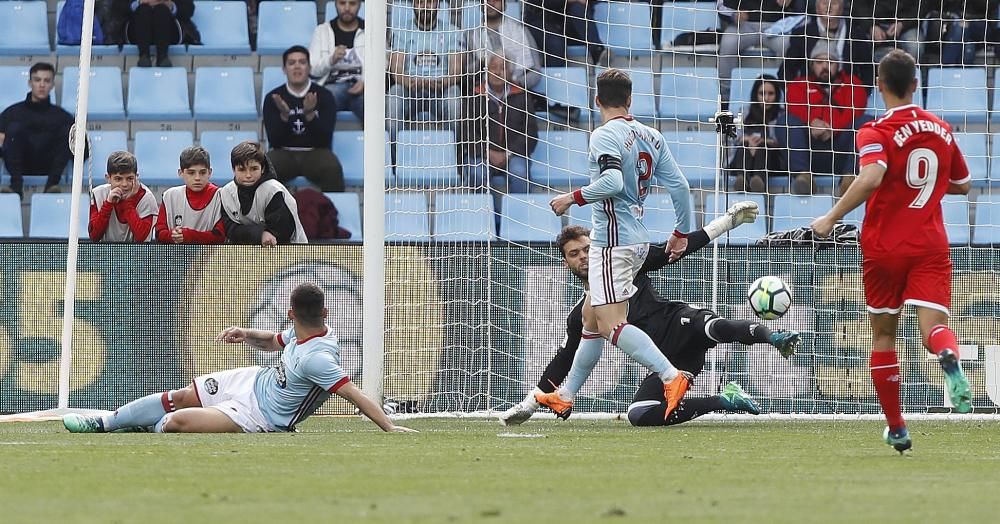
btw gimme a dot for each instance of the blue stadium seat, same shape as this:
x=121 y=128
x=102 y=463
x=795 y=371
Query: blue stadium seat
x=74 y=50
x=158 y=154
x=955 y=209
x=50 y=215
x=10 y=216
x=643 y=96
x=348 y=212
x=689 y=93
x=463 y=217
x=281 y=25
x=224 y=93
x=406 y=217
x=349 y=146
x=158 y=93
x=695 y=153
x=104 y=100
x=24 y=28
x=659 y=217
x=560 y=159
x=739 y=90
x=426 y=159
x=994 y=161
x=746 y=234
x=102 y=144
x=13 y=85
x=527 y=217
x=795 y=211
x=958 y=95
x=855 y=217
x=223 y=28
x=876 y=106
x=624 y=27
x=219 y=145
x=683 y=17
x=973 y=146
x=987 y=227
x=270 y=78
x=565 y=86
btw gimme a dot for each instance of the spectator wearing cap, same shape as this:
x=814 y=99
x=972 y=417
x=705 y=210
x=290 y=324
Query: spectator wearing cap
x=825 y=107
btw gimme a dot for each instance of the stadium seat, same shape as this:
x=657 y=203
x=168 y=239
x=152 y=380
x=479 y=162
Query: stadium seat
x=987 y=224
x=643 y=96
x=566 y=86
x=955 y=209
x=348 y=212
x=219 y=144
x=994 y=162
x=958 y=95
x=527 y=217
x=281 y=25
x=104 y=100
x=876 y=106
x=624 y=27
x=426 y=159
x=74 y=50
x=689 y=93
x=463 y=217
x=224 y=93
x=223 y=28
x=684 y=17
x=560 y=159
x=973 y=146
x=746 y=234
x=102 y=144
x=659 y=217
x=270 y=78
x=349 y=146
x=855 y=217
x=739 y=90
x=406 y=217
x=13 y=85
x=24 y=28
x=695 y=153
x=158 y=93
x=158 y=154
x=50 y=214
x=795 y=211
x=10 y=216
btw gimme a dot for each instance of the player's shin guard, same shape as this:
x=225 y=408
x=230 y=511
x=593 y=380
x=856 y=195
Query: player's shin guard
x=744 y=331
x=142 y=412
x=587 y=356
x=637 y=344
x=886 y=377
x=941 y=338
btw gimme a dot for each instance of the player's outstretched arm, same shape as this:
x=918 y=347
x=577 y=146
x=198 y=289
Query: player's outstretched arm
x=257 y=338
x=369 y=409
x=867 y=182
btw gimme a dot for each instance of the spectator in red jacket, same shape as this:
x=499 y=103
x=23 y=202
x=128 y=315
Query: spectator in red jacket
x=825 y=108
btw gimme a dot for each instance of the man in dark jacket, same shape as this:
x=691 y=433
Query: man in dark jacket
x=753 y=25
x=829 y=23
x=964 y=26
x=34 y=134
x=299 y=118
x=886 y=25
x=500 y=133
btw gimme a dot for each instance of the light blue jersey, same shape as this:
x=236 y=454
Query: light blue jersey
x=309 y=371
x=426 y=52
x=624 y=156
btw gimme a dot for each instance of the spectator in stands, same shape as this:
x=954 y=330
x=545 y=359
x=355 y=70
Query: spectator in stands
x=256 y=208
x=884 y=25
x=557 y=24
x=299 y=118
x=755 y=23
x=507 y=36
x=159 y=24
x=34 y=134
x=825 y=108
x=337 y=56
x=123 y=209
x=500 y=111
x=828 y=23
x=962 y=27
x=426 y=65
x=191 y=214
x=760 y=155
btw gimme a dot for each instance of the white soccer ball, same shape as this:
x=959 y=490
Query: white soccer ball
x=769 y=297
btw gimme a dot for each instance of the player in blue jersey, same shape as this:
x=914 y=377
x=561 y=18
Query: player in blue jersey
x=625 y=156
x=252 y=399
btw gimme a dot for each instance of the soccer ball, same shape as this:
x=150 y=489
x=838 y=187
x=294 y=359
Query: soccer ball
x=769 y=297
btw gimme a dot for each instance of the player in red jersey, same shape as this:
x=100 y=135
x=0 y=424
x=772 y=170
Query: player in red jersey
x=909 y=161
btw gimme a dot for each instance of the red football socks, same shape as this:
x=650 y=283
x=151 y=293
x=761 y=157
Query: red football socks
x=886 y=377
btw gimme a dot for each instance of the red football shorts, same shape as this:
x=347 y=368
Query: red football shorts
x=923 y=281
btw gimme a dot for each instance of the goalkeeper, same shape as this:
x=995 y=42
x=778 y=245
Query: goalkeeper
x=682 y=332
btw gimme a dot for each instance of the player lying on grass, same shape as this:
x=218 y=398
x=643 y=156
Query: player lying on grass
x=252 y=399
x=682 y=332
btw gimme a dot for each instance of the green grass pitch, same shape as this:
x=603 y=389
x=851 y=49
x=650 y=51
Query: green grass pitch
x=344 y=470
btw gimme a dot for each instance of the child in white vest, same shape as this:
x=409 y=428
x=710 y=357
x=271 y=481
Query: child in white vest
x=124 y=209
x=192 y=213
